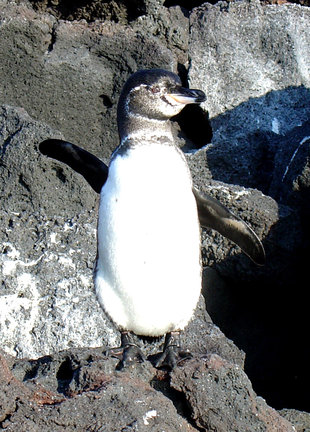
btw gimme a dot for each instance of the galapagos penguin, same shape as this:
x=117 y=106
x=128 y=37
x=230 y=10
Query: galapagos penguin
x=148 y=269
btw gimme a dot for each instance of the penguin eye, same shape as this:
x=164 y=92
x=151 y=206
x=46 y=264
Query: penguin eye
x=155 y=89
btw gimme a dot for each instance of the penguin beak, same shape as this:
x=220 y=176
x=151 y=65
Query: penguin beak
x=186 y=96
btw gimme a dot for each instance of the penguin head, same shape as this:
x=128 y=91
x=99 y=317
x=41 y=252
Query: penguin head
x=155 y=94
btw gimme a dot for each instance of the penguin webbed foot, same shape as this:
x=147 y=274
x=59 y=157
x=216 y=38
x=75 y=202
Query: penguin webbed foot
x=128 y=353
x=172 y=354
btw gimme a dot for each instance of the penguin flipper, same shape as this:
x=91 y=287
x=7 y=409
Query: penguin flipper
x=212 y=214
x=89 y=166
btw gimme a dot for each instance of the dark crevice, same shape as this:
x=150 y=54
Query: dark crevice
x=106 y=101
x=7 y=418
x=5 y=145
x=194 y=123
x=60 y=174
x=104 y=10
x=34 y=366
x=22 y=182
x=135 y=8
x=53 y=39
x=176 y=397
x=65 y=375
x=32 y=372
x=183 y=74
x=268 y=343
x=193 y=120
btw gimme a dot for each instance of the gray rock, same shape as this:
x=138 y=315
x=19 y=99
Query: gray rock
x=70 y=74
x=81 y=390
x=99 y=399
x=300 y=419
x=253 y=62
x=48 y=246
x=245 y=50
x=221 y=398
x=290 y=183
x=168 y=25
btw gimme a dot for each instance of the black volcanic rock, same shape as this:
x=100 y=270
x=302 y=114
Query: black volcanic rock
x=81 y=390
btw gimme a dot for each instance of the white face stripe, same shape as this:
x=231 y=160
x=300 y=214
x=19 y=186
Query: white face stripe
x=148 y=135
x=137 y=88
x=133 y=90
x=135 y=115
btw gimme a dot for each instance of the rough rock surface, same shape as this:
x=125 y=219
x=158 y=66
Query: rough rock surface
x=204 y=384
x=253 y=62
x=47 y=299
x=300 y=419
x=244 y=50
x=80 y=68
x=203 y=394
x=62 y=79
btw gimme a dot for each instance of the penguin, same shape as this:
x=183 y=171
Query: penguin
x=147 y=273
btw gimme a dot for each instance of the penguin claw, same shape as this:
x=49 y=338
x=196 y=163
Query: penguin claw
x=131 y=354
x=173 y=354
x=172 y=357
x=128 y=353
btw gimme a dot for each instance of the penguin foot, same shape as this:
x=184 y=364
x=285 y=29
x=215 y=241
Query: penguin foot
x=128 y=353
x=131 y=354
x=173 y=354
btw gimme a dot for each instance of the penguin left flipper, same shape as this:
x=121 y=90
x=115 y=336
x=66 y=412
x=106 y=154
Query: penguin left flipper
x=212 y=214
x=89 y=166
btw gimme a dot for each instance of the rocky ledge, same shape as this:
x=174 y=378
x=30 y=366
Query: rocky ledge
x=82 y=390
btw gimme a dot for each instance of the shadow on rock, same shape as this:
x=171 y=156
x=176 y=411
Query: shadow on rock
x=265 y=309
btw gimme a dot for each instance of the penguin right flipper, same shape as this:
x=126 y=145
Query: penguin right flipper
x=212 y=214
x=89 y=166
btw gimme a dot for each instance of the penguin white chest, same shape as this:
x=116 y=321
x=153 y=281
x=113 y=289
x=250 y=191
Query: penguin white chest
x=148 y=275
